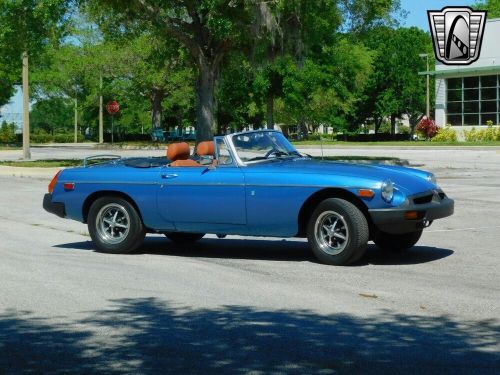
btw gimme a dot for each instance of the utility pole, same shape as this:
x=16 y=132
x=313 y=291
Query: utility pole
x=76 y=118
x=26 y=109
x=101 y=115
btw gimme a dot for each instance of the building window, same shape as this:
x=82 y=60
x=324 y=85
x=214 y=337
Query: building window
x=473 y=100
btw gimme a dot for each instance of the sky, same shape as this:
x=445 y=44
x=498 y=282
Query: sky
x=417 y=10
x=417 y=16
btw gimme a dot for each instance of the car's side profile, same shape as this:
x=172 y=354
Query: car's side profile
x=251 y=183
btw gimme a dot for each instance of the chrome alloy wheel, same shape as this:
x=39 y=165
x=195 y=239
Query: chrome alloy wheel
x=113 y=223
x=331 y=232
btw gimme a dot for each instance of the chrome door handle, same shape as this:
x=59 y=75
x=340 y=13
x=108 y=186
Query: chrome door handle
x=169 y=176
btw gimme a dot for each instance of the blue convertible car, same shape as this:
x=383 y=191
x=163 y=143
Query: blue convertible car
x=251 y=183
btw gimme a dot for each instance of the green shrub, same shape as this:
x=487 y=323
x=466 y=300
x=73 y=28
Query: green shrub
x=446 y=134
x=470 y=135
x=63 y=138
x=67 y=138
x=41 y=136
x=7 y=133
x=488 y=134
x=315 y=137
x=385 y=127
x=404 y=130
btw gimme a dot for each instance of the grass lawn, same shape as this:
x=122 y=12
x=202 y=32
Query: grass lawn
x=395 y=143
x=58 y=163
x=358 y=158
x=3 y=148
x=49 y=163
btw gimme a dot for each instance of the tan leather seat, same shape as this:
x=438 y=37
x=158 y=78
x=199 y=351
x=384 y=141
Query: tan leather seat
x=178 y=153
x=206 y=148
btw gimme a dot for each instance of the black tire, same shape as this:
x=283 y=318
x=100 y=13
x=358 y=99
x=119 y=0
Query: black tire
x=397 y=242
x=351 y=224
x=181 y=237
x=113 y=238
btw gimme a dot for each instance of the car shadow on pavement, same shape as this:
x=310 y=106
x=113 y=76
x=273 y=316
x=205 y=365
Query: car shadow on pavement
x=415 y=255
x=152 y=336
x=232 y=248
x=273 y=250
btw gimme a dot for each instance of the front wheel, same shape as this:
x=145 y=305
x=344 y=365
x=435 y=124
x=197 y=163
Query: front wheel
x=181 y=237
x=115 y=226
x=397 y=242
x=338 y=232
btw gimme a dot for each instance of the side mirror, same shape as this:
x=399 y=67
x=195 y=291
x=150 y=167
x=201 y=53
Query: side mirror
x=213 y=165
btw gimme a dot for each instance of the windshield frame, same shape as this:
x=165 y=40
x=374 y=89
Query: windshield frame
x=230 y=142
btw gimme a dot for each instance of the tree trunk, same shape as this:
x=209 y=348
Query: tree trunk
x=270 y=111
x=205 y=108
x=414 y=121
x=393 y=124
x=378 y=122
x=156 y=111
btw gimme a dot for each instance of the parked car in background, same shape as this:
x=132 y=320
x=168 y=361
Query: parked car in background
x=250 y=183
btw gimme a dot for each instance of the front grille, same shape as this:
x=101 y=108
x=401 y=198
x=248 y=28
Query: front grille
x=423 y=200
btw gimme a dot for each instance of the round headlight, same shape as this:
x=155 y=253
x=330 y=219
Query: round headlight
x=387 y=190
x=432 y=178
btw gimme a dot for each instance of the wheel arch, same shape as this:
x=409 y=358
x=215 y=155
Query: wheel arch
x=315 y=199
x=107 y=193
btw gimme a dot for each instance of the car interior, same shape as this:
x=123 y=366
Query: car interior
x=179 y=154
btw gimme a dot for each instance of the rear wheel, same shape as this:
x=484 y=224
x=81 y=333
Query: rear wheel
x=181 y=237
x=397 y=242
x=338 y=232
x=115 y=225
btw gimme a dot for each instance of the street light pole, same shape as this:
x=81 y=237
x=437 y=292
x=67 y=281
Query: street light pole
x=76 y=119
x=101 y=116
x=428 y=108
x=428 y=93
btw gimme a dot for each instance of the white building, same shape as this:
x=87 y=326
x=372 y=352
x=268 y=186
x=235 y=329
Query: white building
x=468 y=96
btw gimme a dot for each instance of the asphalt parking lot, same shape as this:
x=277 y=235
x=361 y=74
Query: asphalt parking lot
x=253 y=305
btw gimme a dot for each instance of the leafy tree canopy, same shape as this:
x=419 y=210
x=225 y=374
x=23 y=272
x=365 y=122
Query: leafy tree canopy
x=492 y=6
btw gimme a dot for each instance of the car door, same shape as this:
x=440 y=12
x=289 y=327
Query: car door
x=202 y=195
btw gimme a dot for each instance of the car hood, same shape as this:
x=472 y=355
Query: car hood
x=409 y=180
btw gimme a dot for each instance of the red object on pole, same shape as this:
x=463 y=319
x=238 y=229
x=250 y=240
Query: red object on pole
x=113 y=107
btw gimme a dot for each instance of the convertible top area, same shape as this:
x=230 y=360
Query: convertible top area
x=143 y=162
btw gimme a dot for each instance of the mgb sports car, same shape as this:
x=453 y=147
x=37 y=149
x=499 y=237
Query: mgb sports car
x=253 y=184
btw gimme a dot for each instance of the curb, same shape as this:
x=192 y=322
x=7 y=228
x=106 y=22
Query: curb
x=28 y=172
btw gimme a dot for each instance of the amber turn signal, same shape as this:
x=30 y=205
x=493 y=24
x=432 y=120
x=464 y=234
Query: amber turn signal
x=53 y=183
x=411 y=215
x=366 y=193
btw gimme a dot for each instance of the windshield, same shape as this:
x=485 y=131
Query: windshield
x=255 y=146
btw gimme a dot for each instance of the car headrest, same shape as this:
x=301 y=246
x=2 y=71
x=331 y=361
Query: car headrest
x=206 y=148
x=178 y=151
